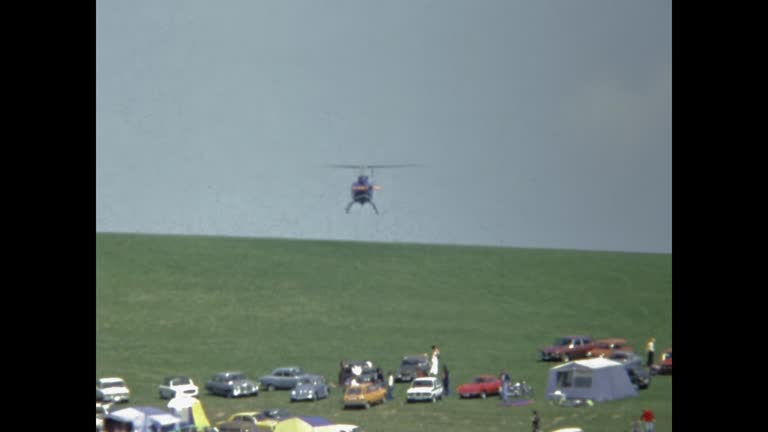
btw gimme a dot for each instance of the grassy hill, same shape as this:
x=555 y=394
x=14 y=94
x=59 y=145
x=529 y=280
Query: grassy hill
x=199 y=305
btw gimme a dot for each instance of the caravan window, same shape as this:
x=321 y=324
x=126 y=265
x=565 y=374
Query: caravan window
x=564 y=379
x=582 y=379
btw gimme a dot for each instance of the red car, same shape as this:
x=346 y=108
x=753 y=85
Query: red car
x=606 y=347
x=666 y=362
x=481 y=385
x=567 y=348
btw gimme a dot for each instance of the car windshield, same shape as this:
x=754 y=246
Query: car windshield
x=618 y=356
x=562 y=341
x=353 y=391
x=410 y=362
x=179 y=381
x=481 y=379
x=422 y=383
x=112 y=384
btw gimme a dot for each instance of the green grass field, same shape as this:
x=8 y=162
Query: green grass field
x=200 y=305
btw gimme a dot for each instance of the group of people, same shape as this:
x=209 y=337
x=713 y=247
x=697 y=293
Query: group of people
x=348 y=374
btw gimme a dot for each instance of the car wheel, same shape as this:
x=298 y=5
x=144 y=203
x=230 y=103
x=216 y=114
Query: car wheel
x=434 y=399
x=315 y=396
x=483 y=395
x=367 y=405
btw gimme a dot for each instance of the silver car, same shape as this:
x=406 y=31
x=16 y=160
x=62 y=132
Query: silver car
x=284 y=378
x=310 y=387
x=232 y=384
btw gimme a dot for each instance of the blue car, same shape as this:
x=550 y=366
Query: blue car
x=310 y=387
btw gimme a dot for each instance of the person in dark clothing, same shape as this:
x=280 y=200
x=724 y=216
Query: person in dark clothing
x=446 y=381
x=651 y=348
x=535 y=421
x=379 y=375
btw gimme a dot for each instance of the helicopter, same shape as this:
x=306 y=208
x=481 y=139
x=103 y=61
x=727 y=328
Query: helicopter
x=362 y=189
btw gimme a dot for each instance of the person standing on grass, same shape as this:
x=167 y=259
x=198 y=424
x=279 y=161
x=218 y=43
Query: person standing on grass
x=637 y=426
x=390 y=385
x=433 y=369
x=651 y=348
x=505 y=379
x=649 y=420
x=446 y=381
x=535 y=421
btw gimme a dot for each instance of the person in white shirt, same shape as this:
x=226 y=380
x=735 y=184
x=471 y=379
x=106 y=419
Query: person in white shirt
x=390 y=385
x=434 y=362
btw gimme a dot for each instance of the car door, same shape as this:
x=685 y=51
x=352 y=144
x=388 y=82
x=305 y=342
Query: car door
x=282 y=379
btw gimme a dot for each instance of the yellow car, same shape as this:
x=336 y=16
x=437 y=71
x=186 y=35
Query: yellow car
x=264 y=420
x=365 y=395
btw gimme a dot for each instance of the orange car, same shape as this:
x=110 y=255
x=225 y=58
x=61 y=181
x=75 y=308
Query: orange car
x=365 y=395
x=605 y=347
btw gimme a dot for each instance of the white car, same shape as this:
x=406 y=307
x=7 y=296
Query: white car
x=425 y=389
x=177 y=385
x=112 y=390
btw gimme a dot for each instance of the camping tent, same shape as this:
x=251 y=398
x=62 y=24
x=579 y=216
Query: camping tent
x=301 y=424
x=597 y=379
x=190 y=411
x=140 y=419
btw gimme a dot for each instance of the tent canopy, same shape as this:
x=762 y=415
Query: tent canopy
x=597 y=379
x=190 y=410
x=301 y=424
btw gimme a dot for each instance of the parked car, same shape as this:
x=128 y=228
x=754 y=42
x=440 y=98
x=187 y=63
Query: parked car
x=237 y=426
x=604 y=347
x=567 y=348
x=310 y=387
x=635 y=366
x=481 y=385
x=625 y=357
x=639 y=375
x=232 y=384
x=112 y=390
x=173 y=385
x=425 y=389
x=365 y=395
x=361 y=371
x=665 y=367
x=265 y=419
x=412 y=366
x=282 y=378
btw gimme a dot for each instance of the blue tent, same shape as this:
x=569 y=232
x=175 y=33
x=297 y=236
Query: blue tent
x=595 y=379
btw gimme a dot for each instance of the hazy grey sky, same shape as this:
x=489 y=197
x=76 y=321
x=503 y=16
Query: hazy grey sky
x=540 y=123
